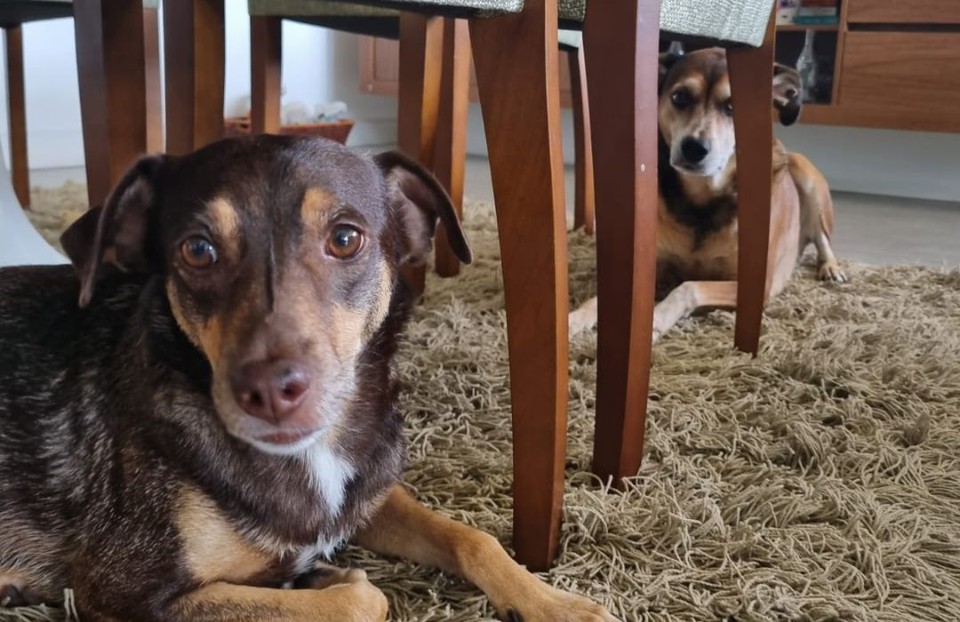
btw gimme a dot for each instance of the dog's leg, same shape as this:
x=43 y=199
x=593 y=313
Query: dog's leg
x=354 y=601
x=583 y=317
x=829 y=267
x=690 y=297
x=405 y=528
x=816 y=216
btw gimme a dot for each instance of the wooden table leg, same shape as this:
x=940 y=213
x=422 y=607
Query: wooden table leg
x=516 y=59
x=418 y=105
x=621 y=40
x=113 y=90
x=17 y=115
x=266 y=45
x=751 y=77
x=151 y=53
x=584 y=210
x=451 y=143
x=193 y=33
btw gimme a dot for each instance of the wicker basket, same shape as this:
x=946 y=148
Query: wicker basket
x=336 y=130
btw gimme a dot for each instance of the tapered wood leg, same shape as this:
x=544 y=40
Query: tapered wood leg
x=151 y=52
x=516 y=59
x=265 y=56
x=621 y=53
x=583 y=205
x=751 y=84
x=194 y=49
x=421 y=50
x=17 y=111
x=113 y=90
x=451 y=143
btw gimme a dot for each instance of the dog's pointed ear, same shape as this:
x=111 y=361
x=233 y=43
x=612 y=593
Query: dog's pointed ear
x=418 y=203
x=787 y=93
x=116 y=232
x=667 y=60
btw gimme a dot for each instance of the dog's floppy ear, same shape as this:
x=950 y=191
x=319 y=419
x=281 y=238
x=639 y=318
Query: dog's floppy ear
x=116 y=232
x=419 y=201
x=787 y=93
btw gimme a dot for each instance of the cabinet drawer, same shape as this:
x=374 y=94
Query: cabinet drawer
x=904 y=11
x=916 y=75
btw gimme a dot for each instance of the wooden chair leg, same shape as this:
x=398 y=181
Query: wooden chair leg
x=421 y=51
x=194 y=49
x=17 y=111
x=751 y=84
x=621 y=53
x=516 y=59
x=451 y=144
x=113 y=90
x=584 y=199
x=265 y=56
x=151 y=53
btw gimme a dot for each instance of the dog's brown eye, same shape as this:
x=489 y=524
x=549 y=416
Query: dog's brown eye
x=198 y=252
x=345 y=241
x=728 y=107
x=681 y=99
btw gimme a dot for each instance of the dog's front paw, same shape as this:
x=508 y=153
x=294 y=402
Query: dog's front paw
x=556 y=606
x=16 y=593
x=830 y=271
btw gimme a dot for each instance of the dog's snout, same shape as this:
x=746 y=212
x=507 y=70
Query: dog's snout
x=271 y=390
x=694 y=149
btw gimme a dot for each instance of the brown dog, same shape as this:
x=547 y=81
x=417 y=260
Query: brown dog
x=697 y=222
x=220 y=408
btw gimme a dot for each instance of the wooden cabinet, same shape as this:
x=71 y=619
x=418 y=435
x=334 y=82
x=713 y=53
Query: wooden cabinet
x=904 y=12
x=904 y=79
x=893 y=64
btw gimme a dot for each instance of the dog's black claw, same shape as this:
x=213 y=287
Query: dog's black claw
x=513 y=616
x=14 y=596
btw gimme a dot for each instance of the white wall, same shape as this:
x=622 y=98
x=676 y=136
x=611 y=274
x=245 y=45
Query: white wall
x=320 y=65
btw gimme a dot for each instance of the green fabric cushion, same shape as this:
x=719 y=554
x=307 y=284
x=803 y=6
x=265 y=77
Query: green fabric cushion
x=729 y=21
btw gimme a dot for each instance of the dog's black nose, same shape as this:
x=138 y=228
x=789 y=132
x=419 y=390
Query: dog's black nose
x=271 y=390
x=694 y=150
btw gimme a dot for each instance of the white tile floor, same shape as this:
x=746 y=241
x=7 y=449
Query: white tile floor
x=871 y=229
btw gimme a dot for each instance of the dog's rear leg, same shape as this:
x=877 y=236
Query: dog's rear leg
x=816 y=216
x=690 y=297
x=405 y=528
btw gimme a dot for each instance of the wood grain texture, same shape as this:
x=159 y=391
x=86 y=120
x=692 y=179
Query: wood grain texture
x=194 y=57
x=751 y=86
x=621 y=45
x=418 y=101
x=265 y=61
x=913 y=77
x=17 y=115
x=450 y=159
x=584 y=210
x=113 y=91
x=151 y=54
x=517 y=65
x=902 y=12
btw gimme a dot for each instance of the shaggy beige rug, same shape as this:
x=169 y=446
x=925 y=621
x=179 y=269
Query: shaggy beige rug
x=817 y=482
